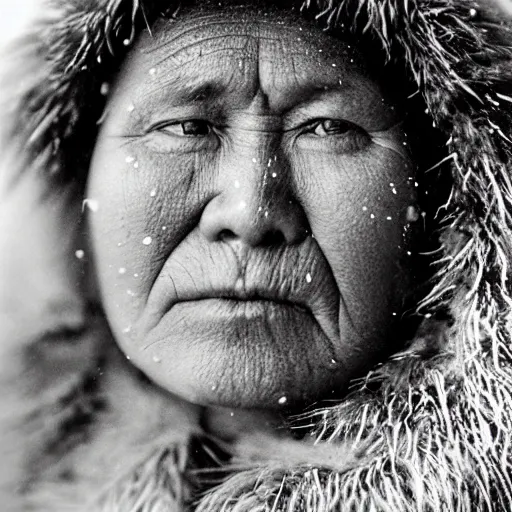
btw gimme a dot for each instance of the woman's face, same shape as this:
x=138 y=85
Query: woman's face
x=249 y=191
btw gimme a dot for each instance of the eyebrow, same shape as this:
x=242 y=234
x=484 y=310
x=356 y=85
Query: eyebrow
x=206 y=92
x=181 y=93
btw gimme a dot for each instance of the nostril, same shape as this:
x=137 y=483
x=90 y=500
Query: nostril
x=226 y=235
x=273 y=238
x=269 y=238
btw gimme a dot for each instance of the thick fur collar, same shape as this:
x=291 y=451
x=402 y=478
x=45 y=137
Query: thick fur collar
x=428 y=430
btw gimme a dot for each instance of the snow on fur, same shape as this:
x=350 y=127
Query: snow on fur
x=430 y=429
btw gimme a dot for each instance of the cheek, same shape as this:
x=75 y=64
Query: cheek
x=146 y=204
x=357 y=210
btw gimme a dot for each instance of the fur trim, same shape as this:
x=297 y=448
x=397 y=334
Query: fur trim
x=431 y=429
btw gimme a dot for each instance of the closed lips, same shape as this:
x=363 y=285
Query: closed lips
x=251 y=296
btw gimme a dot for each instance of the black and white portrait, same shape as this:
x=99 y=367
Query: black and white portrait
x=255 y=256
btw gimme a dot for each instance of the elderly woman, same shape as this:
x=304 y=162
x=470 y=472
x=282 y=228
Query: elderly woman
x=262 y=258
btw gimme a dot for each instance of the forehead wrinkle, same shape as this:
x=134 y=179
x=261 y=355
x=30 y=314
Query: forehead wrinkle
x=172 y=55
x=214 y=89
x=182 y=32
x=185 y=78
x=182 y=90
x=186 y=88
x=292 y=87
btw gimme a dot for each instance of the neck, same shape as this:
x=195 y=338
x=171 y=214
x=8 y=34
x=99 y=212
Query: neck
x=231 y=424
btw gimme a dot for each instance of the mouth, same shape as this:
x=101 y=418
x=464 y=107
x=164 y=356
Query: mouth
x=235 y=297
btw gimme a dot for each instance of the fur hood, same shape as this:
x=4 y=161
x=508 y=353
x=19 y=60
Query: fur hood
x=430 y=429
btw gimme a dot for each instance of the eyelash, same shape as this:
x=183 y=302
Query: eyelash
x=329 y=126
x=321 y=134
x=334 y=135
x=342 y=127
x=162 y=128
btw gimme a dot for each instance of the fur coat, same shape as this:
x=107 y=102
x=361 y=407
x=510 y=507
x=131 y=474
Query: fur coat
x=429 y=429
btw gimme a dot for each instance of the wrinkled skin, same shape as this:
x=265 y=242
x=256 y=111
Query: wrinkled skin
x=251 y=181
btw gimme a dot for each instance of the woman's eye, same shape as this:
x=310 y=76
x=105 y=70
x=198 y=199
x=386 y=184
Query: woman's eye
x=334 y=135
x=186 y=136
x=328 y=127
x=191 y=128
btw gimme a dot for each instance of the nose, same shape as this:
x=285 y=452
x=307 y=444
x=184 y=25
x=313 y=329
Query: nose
x=254 y=204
